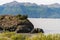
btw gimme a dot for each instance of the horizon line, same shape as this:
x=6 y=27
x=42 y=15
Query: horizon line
x=32 y=3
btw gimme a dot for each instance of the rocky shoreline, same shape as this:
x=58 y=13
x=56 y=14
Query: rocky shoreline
x=17 y=23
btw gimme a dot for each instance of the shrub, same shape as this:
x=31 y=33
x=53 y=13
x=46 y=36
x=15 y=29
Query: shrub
x=22 y=17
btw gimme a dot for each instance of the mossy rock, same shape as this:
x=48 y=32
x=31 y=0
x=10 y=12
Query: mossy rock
x=15 y=23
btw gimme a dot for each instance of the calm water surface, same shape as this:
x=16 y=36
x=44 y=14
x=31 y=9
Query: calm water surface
x=48 y=25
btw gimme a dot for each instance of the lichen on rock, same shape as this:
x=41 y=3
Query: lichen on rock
x=15 y=23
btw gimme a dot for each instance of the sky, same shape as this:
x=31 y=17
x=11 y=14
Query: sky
x=46 y=2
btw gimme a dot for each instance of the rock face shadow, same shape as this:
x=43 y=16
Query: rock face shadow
x=17 y=23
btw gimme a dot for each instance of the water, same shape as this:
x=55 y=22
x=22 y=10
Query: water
x=48 y=25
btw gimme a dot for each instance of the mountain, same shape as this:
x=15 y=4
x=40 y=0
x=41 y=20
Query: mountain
x=20 y=8
x=51 y=11
x=31 y=9
x=56 y=5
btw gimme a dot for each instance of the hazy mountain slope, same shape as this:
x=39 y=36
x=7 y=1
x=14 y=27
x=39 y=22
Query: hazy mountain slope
x=21 y=8
x=31 y=9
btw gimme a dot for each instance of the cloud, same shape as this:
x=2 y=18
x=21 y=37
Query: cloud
x=5 y=1
x=32 y=1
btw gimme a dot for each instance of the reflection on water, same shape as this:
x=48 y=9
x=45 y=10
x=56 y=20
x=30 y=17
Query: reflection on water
x=48 y=25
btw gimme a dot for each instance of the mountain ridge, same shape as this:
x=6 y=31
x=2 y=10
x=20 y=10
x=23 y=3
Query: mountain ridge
x=31 y=9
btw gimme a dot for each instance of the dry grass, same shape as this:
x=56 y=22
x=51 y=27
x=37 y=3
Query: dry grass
x=22 y=36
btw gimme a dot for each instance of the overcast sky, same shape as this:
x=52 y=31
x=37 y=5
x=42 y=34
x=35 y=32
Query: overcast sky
x=32 y=1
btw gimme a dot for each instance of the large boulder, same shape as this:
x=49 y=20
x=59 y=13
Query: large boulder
x=25 y=28
x=17 y=23
x=37 y=30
